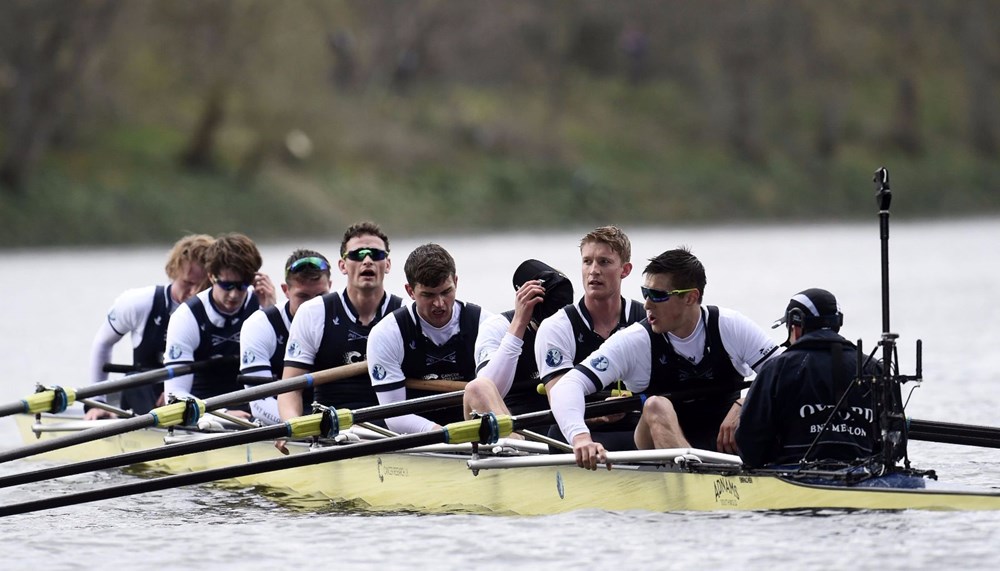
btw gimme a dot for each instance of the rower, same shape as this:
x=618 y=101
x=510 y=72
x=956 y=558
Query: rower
x=431 y=338
x=578 y=330
x=807 y=405
x=680 y=346
x=333 y=330
x=144 y=313
x=264 y=335
x=208 y=325
x=507 y=373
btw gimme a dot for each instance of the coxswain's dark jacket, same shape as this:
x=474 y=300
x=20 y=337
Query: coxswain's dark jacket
x=794 y=396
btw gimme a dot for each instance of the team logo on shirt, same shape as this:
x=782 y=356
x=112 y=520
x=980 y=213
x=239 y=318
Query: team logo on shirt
x=378 y=372
x=112 y=317
x=174 y=352
x=553 y=357
x=293 y=349
x=450 y=358
x=600 y=363
x=248 y=357
x=483 y=353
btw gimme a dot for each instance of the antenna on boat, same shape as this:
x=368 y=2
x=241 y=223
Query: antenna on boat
x=888 y=396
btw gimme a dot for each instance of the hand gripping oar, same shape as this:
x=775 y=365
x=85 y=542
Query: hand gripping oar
x=486 y=430
x=327 y=424
x=56 y=399
x=186 y=411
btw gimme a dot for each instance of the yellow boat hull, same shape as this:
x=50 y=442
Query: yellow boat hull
x=432 y=482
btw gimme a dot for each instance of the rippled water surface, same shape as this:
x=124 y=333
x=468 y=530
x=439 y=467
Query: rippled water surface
x=945 y=278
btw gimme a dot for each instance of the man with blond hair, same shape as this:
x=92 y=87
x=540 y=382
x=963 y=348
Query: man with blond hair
x=143 y=314
x=570 y=335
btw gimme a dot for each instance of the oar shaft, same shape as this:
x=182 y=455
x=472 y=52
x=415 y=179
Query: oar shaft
x=205 y=476
x=147 y=377
x=361 y=415
x=131 y=381
x=277 y=387
x=111 y=428
x=168 y=451
x=412 y=406
x=950 y=433
x=151 y=419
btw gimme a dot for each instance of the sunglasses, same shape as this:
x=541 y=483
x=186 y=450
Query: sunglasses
x=230 y=286
x=303 y=264
x=359 y=254
x=658 y=295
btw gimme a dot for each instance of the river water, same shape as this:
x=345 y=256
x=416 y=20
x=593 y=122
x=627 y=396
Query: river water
x=944 y=283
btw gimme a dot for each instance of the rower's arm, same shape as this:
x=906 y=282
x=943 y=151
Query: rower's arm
x=290 y=403
x=567 y=401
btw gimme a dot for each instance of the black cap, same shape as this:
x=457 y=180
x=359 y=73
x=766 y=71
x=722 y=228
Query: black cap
x=558 y=289
x=813 y=308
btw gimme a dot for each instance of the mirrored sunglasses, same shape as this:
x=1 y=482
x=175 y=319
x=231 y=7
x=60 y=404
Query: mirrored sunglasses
x=303 y=264
x=359 y=255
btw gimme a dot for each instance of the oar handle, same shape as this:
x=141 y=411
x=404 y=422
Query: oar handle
x=435 y=385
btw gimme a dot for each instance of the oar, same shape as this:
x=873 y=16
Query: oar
x=485 y=430
x=949 y=433
x=56 y=399
x=301 y=427
x=186 y=411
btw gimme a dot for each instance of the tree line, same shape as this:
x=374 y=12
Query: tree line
x=809 y=80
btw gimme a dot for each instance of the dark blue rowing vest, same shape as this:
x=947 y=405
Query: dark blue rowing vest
x=149 y=354
x=455 y=360
x=219 y=342
x=345 y=341
x=273 y=314
x=715 y=379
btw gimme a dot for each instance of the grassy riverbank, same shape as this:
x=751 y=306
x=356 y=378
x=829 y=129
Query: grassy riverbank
x=470 y=160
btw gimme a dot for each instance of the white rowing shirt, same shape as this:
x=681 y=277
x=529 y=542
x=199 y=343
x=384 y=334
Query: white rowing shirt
x=555 y=343
x=500 y=350
x=626 y=356
x=184 y=336
x=385 y=350
x=258 y=343
x=127 y=315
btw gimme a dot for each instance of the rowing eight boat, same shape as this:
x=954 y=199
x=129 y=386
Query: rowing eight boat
x=518 y=477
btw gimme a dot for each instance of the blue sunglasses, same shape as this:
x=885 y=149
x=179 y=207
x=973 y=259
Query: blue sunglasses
x=659 y=296
x=309 y=263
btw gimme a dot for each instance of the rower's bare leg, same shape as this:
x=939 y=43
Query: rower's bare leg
x=658 y=426
x=481 y=396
